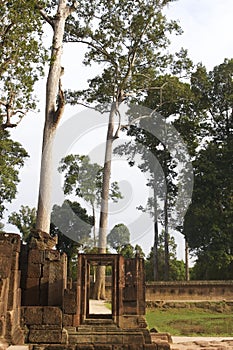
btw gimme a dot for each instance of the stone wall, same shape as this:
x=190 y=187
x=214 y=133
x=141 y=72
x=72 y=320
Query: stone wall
x=189 y=291
x=43 y=277
x=10 y=293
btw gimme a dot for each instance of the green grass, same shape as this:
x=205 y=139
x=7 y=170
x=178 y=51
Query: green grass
x=190 y=322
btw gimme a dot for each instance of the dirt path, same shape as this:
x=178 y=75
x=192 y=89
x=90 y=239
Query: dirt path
x=202 y=343
x=98 y=307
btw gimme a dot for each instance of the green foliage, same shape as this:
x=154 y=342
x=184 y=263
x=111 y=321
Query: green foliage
x=208 y=224
x=24 y=220
x=85 y=179
x=118 y=237
x=22 y=58
x=72 y=220
x=214 y=92
x=176 y=267
x=175 y=120
x=129 y=251
x=130 y=38
x=11 y=160
x=82 y=177
x=72 y=225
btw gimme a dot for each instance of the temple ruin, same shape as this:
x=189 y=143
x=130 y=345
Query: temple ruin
x=43 y=310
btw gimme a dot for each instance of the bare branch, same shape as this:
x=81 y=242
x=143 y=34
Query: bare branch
x=47 y=18
x=3 y=103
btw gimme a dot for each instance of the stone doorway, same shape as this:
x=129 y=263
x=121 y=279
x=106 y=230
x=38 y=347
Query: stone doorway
x=99 y=308
x=87 y=263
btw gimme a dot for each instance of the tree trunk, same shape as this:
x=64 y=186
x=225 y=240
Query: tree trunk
x=156 y=236
x=94 y=224
x=155 y=252
x=99 y=289
x=53 y=111
x=166 y=242
x=186 y=260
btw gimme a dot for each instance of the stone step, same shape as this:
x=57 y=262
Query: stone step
x=99 y=321
x=96 y=329
x=18 y=347
x=106 y=337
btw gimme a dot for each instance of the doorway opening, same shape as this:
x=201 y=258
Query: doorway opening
x=101 y=308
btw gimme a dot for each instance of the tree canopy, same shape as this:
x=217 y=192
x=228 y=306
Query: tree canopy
x=177 y=267
x=12 y=158
x=72 y=225
x=118 y=237
x=208 y=223
x=22 y=58
x=24 y=220
x=85 y=179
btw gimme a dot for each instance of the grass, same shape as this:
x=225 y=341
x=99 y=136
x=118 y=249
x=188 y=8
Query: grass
x=190 y=322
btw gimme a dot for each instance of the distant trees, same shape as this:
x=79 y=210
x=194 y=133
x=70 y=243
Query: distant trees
x=72 y=225
x=118 y=237
x=12 y=158
x=24 y=220
x=85 y=179
x=130 y=251
x=177 y=267
x=69 y=222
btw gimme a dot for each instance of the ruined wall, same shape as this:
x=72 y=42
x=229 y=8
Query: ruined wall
x=191 y=290
x=10 y=293
x=43 y=325
x=43 y=284
x=43 y=277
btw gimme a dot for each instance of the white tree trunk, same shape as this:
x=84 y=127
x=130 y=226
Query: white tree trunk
x=106 y=182
x=99 y=289
x=53 y=112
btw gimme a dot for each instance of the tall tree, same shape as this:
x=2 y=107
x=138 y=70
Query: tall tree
x=54 y=107
x=24 y=220
x=85 y=179
x=166 y=141
x=130 y=38
x=22 y=58
x=177 y=268
x=12 y=158
x=208 y=223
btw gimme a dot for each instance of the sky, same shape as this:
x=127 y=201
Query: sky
x=207 y=34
